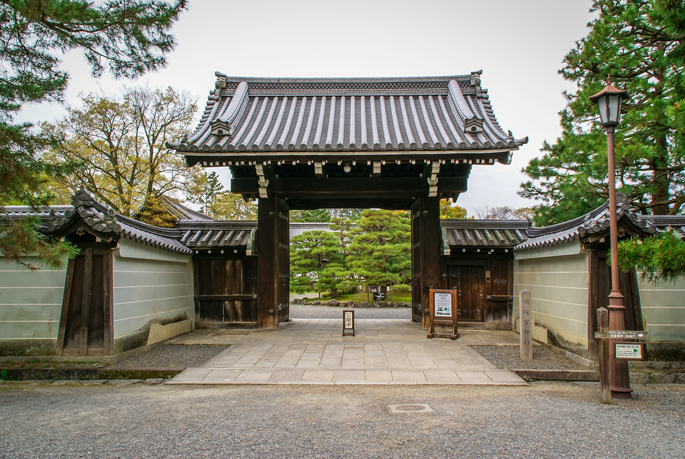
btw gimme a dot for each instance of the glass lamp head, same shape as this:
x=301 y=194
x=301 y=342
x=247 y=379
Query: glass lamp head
x=608 y=101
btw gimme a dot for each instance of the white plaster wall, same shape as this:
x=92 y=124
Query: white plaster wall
x=150 y=285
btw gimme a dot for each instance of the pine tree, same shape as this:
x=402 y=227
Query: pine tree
x=311 y=253
x=380 y=251
x=641 y=45
x=127 y=38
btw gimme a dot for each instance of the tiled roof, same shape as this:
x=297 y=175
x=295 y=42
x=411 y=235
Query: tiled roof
x=217 y=234
x=17 y=212
x=667 y=222
x=482 y=233
x=107 y=222
x=585 y=226
x=291 y=114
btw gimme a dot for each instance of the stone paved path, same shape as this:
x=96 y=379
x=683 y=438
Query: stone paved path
x=312 y=351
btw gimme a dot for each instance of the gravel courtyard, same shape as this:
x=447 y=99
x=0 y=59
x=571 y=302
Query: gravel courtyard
x=546 y=420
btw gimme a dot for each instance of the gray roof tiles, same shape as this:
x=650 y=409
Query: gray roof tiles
x=485 y=233
x=262 y=115
x=585 y=226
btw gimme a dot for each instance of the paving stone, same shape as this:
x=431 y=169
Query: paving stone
x=378 y=376
x=255 y=376
x=441 y=377
x=474 y=377
x=408 y=377
x=318 y=375
x=503 y=376
x=344 y=376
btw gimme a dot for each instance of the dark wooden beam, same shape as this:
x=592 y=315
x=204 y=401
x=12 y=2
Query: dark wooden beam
x=68 y=286
x=273 y=252
x=384 y=187
x=429 y=234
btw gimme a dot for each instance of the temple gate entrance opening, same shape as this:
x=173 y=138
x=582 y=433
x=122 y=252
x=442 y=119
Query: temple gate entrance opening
x=389 y=143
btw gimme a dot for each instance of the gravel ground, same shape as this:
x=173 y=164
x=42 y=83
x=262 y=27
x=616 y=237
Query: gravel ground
x=544 y=358
x=541 y=420
x=298 y=311
x=170 y=357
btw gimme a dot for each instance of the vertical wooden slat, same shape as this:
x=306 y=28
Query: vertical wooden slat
x=87 y=295
x=68 y=285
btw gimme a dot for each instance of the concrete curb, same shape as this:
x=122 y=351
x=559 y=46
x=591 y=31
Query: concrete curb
x=558 y=375
x=81 y=374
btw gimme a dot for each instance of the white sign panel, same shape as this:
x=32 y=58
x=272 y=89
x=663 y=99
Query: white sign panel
x=628 y=351
x=443 y=304
x=348 y=320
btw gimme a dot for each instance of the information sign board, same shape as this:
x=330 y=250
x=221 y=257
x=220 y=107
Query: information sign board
x=442 y=304
x=629 y=351
x=443 y=311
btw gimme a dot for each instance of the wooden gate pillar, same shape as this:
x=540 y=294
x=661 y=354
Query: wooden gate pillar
x=425 y=242
x=273 y=261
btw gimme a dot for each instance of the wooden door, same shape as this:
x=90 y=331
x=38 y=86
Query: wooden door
x=224 y=291
x=598 y=295
x=469 y=281
x=85 y=324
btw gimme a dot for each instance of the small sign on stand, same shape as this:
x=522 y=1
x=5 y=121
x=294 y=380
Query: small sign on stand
x=348 y=322
x=443 y=311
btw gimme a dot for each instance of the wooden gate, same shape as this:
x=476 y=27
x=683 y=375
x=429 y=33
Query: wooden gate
x=598 y=295
x=86 y=321
x=224 y=291
x=469 y=282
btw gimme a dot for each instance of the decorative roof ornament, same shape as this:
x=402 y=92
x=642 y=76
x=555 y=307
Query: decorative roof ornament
x=473 y=125
x=225 y=124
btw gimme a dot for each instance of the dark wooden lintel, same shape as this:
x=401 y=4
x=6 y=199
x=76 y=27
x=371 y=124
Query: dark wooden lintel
x=235 y=157
x=395 y=187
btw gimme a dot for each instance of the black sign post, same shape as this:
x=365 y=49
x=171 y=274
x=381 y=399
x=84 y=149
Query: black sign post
x=348 y=322
x=443 y=311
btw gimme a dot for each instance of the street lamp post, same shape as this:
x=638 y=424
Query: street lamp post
x=608 y=101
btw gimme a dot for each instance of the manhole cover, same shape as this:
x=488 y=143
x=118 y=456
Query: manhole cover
x=410 y=408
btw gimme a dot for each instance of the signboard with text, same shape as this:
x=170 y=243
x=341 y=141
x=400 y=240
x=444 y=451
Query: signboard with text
x=443 y=311
x=348 y=322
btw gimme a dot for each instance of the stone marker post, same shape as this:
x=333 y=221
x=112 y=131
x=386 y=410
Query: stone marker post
x=604 y=355
x=526 y=322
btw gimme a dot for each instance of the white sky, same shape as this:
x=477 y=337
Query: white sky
x=519 y=45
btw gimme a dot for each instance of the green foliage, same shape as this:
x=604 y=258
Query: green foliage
x=316 y=262
x=154 y=213
x=639 y=43
x=660 y=258
x=19 y=238
x=229 y=206
x=126 y=38
x=204 y=190
x=117 y=145
x=380 y=250
x=317 y=215
x=447 y=210
x=208 y=191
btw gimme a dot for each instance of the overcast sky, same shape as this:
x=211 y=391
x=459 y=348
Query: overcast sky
x=519 y=45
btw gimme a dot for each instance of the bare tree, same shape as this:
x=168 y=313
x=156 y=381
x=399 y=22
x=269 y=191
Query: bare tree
x=117 y=145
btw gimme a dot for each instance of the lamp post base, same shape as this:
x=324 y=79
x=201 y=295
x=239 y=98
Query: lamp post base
x=620 y=377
